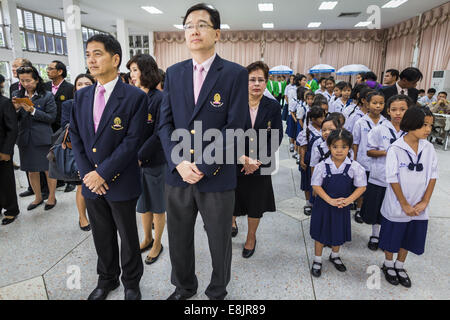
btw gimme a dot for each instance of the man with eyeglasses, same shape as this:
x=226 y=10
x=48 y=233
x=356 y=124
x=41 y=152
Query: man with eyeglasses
x=213 y=91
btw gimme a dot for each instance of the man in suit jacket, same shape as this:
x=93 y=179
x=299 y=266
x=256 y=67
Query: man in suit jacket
x=405 y=86
x=8 y=136
x=219 y=102
x=106 y=123
x=61 y=89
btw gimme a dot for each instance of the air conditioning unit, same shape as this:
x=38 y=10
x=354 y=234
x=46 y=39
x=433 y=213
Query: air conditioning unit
x=441 y=81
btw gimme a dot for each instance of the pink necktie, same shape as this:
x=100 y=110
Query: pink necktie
x=99 y=106
x=198 y=81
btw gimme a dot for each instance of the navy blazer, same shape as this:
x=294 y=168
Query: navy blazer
x=64 y=93
x=112 y=150
x=8 y=126
x=268 y=118
x=391 y=91
x=221 y=103
x=66 y=110
x=151 y=152
x=36 y=130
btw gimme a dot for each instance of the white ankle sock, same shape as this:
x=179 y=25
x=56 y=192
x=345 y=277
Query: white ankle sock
x=376 y=232
x=318 y=260
x=291 y=145
x=399 y=265
x=390 y=264
x=336 y=255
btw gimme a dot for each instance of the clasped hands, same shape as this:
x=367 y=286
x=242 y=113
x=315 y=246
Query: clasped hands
x=250 y=165
x=416 y=210
x=189 y=172
x=94 y=182
x=340 y=202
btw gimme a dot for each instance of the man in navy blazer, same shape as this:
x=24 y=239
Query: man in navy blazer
x=105 y=127
x=213 y=92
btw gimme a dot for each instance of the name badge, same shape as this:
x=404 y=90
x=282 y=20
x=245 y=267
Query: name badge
x=62 y=98
x=217 y=101
x=150 y=118
x=117 y=124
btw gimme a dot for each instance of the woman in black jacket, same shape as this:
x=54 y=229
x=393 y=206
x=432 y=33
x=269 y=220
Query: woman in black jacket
x=145 y=75
x=35 y=132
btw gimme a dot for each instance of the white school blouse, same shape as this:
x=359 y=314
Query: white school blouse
x=293 y=105
x=291 y=94
x=339 y=106
x=380 y=139
x=360 y=133
x=413 y=183
x=356 y=172
x=351 y=120
x=315 y=154
x=301 y=138
x=302 y=110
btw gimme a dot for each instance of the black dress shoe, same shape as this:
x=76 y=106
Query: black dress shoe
x=248 y=253
x=102 y=293
x=86 y=228
x=49 y=206
x=7 y=221
x=26 y=193
x=69 y=187
x=316 y=272
x=133 y=294
x=33 y=206
x=234 y=231
x=339 y=266
x=150 y=260
x=45 y=196
x=307 y=210
x=358 y=217
x=149 y=246
x=406 y=282
x=291 y=149
x=60 y=184
x=179 y=296
x=391 y=279
x=372 y=245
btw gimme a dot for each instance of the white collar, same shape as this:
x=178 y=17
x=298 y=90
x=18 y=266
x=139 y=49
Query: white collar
x=109 y=87
x=366 y=117
x=330 y=162
x=401 y=143
x=206 y=64
x=388 y=124
x=399 y=89
x=34 y=94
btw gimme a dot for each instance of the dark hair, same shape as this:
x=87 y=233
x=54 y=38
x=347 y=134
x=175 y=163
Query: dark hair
x=372 y=94
x=422 y=91
x=394 y=72
x=125 y=77
x=162 y=76
x=82 y=75
x=315 y=112
x=25 y=62
x=309 y=93
x=362 y=74
x=40 y=87
x=339 y=117
x=357 y=89
x=149 y=70
x=213 y=14
x=301 y=93
x=2 y=78
x=322 y=79
x=414 y=118
x=340 y=134
x=342 y=85
x=333 y=118
x=259 y=65
x=399 y=97
x=370 y=76
x=411 y=74
x=363 y=94
x=443 y=93
x=60 y=66
x=112 y=46
x=431 y=90
x=319 y=99
x=331 y=79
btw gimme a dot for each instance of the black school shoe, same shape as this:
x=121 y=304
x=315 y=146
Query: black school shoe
x=358 y=217
x=339 y=266
x=316 y=272
x=391 y=279
x=234 y=231
x=406 y=282
x=307 y=210
x=373 y=245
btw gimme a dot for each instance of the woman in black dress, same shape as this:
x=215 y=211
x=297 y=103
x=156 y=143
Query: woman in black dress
x=254 y=191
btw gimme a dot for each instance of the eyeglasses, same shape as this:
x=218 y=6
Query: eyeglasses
x=50 y=68
x=202 y=26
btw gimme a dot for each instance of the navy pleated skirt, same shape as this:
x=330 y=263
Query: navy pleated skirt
x=291 y=128
x=406 y=235
x=305 y=181
x=371 y=207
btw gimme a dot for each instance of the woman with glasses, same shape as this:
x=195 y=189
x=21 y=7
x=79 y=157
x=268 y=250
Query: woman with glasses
x=35 y=132
x=254 y=192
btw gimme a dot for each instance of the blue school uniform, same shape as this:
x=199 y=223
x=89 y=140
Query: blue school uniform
x=291 y=127
x=301 y=115
x=305 y=183
x=331 y=225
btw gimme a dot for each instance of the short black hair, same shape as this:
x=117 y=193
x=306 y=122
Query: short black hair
x=322 y=79
x=431 y=90
x=357 y=90
x=394 y=72
x=422 y=91
x=411 y=74
x=342 y=84
x=399 y=97
x=340 y=134
x=61 y=66
x=2 y=78
x=111 y=44
x=372 y=94
x=337 y=117
x=301 y=93
x=443 y=92
x=319 y=100
x=370 y=76
x=40 y=87
x=259 y=65
x=149 y=70
x=82 y=75
x=213 y=14
x=414 y=118
x=331 y=79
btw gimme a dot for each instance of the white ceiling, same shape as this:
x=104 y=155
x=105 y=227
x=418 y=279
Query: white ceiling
x=239 y=14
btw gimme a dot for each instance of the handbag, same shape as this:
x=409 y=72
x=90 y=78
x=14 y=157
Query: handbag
x=62 y=164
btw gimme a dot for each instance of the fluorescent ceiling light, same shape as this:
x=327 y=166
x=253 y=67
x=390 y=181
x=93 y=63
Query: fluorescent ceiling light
x=363 y=24
x=268 y=25
x=178 y=26
x=152 y=10
x=394 y=3
x=224 y=26
x=265 y=6
x=314 y=24
x=328 y=5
